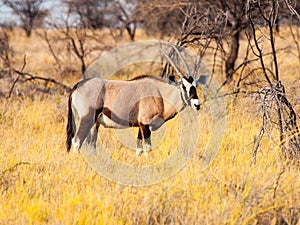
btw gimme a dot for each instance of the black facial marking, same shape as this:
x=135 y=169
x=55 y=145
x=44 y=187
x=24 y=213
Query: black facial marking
x=193 y=93
x=190 y=79
x=183 y=87
x=172 y=78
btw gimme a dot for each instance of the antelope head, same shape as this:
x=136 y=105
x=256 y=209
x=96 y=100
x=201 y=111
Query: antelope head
x=187 y=83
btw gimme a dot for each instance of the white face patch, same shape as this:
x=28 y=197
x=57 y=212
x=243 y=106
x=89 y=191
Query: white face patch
x=195 y=103
x=186 y=83
x=194 y=83
x=187 y=86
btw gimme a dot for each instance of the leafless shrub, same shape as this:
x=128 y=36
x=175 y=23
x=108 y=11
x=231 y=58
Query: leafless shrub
x=30 y=12
x=6 y=52
x=277 y=111
x=114 y=15
x=26 y=77
x=73 y=42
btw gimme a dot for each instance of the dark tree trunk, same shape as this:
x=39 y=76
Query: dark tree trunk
x=28 y=28
x=131 y=31
x=83 y=67
x=233 y=54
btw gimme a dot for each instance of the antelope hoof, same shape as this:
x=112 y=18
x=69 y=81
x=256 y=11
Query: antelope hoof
x=75 y=146
x=139 y=151
x=148 y=148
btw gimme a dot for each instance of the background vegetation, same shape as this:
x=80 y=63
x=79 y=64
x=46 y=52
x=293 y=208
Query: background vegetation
x=252 y=49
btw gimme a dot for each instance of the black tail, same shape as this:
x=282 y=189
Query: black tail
x=70 y=129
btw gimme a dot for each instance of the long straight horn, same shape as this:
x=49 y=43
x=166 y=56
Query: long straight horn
x=172 y=63
x=197 y=66
x=187 y=70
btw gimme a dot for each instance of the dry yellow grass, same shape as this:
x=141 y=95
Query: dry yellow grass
x=40 y=183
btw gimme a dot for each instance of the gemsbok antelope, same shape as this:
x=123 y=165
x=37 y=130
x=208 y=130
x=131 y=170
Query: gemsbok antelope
x=145 y=102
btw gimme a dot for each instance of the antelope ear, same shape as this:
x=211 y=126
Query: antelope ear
x=172 y=80
x=201 y=80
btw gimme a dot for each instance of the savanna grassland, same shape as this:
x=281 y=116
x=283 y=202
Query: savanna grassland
x=40 y=183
